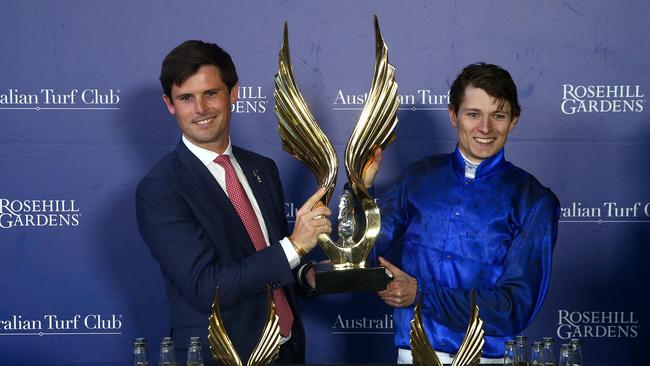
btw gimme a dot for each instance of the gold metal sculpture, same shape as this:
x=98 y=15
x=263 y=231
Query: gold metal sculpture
x=421 y=349
x=302 y=137
x=224 y=352
x=470 y=351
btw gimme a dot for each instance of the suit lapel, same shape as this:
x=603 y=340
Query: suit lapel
x=259 y=184
x=208 y=192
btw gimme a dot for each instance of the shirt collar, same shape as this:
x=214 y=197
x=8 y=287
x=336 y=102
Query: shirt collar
x=487 y=167
x=206 y=156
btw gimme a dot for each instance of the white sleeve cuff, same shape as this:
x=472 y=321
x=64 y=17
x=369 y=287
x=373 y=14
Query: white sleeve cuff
x=292 y=256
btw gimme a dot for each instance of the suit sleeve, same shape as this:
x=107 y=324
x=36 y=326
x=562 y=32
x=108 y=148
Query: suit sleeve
x=188 y=258
x=511 y=305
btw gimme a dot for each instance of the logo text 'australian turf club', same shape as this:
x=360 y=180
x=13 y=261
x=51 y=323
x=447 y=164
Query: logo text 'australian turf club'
x=58 y=98
x=421 y=99
x=57 y=323
x=610 y=211
x=377 y=324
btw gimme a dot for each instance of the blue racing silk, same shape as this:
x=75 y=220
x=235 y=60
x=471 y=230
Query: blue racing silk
x=494 y=233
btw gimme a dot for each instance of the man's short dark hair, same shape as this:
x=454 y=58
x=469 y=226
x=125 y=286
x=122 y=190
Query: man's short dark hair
x=495 y=80
x=186 y=59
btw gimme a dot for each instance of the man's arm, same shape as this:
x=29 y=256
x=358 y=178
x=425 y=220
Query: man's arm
x=188 y=257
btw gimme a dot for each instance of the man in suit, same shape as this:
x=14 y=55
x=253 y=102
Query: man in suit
x=213 y=214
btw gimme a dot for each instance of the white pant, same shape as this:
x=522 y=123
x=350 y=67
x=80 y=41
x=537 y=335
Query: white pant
x=404 y=357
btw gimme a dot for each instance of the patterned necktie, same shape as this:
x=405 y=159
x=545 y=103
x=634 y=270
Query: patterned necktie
x=244 y=208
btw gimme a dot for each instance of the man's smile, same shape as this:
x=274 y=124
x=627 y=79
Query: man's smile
x=485 y=140
x=205 y=121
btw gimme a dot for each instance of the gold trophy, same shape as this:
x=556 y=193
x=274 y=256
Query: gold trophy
x=359 y=217
x=469 y=353
x=221 y=346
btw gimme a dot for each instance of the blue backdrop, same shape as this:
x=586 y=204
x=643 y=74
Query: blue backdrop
x=82 y=120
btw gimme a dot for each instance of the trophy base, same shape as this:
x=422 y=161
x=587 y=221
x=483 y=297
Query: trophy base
x=330 y=281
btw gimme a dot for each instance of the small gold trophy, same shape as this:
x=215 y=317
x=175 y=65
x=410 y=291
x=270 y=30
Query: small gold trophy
x=470 y=351
x=359 y=218
x=267 y=348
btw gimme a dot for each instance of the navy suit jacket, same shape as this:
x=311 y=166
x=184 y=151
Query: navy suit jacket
x=196 y=235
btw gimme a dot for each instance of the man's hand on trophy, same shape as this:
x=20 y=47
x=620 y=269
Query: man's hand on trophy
x=310 y=223
x=401 y=291
x=371 y=168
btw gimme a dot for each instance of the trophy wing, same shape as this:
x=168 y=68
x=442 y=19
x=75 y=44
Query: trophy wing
x=375 y=128
x=423 y=353
x=301 y=136
x=471 y=348
x=268 y=347
x=376 y=125
x=220 y=344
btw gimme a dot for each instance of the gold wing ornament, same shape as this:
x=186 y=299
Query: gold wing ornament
x=224 y=352
x=302 y=137
x=471 y=348
x=375 y=129
x=421 y=350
